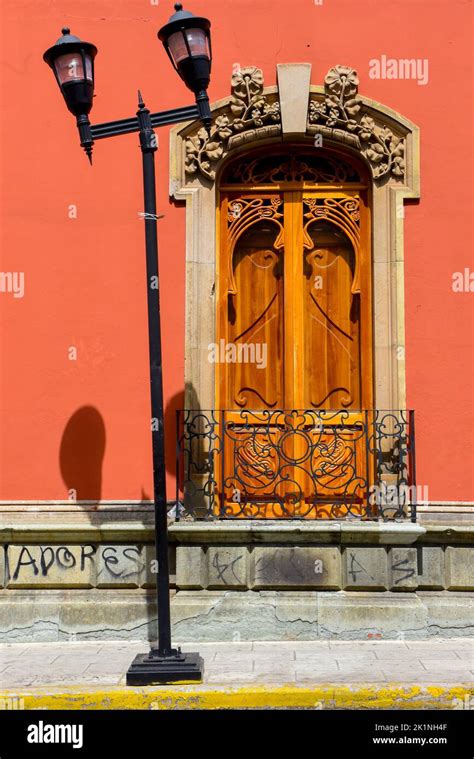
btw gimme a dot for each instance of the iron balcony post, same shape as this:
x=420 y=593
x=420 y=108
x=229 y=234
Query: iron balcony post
x=376 y=467
x=178 y=449
x=412 y=464
x=222 y=503
x=367 y=464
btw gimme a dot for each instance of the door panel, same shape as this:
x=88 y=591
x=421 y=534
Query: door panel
x=331 y=327
x=294 y=276
x=252 y=297
x=254 y=313
x=251 y=302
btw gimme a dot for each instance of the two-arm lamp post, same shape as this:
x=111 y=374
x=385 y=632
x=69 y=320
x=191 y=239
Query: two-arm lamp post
x=187 y=41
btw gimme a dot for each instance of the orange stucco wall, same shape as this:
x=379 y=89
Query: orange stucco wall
x=85 y=276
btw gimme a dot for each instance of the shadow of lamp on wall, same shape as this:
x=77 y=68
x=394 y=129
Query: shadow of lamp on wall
x=82 y=453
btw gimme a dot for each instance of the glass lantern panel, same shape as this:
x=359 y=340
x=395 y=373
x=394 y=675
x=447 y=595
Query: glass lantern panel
x=69 y=68
x=197 y=41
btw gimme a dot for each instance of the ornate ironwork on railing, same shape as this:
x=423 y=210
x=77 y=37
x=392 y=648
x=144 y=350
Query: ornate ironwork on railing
x=296 y=464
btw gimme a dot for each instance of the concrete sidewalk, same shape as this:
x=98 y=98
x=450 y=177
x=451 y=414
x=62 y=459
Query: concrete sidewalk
x=302 y=674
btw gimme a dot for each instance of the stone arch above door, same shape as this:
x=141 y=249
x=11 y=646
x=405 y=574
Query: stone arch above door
x=333 y=115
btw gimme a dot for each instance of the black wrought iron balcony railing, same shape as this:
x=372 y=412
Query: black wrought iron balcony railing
x=296 y=464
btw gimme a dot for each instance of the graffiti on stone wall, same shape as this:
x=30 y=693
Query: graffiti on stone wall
x=84 y=565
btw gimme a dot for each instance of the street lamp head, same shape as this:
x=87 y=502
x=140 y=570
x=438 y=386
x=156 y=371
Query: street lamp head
x=187 y=40
x=72 y=62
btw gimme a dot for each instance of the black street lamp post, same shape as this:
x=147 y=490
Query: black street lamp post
x=186 y=39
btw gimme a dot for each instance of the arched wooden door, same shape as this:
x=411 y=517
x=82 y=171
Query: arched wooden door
x=294 y=376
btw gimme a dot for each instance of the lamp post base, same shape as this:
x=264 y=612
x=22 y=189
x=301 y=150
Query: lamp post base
x=152 y=669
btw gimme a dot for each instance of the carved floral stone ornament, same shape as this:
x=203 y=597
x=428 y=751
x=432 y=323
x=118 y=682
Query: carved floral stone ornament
x=338 y=114
x=342 y=109
x=249 y=109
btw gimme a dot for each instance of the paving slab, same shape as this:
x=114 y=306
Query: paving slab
x=291 y=674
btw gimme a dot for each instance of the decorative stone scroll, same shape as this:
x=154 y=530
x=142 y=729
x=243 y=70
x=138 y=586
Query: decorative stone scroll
x=342 y=109
x=337 y=113
x=249 y=109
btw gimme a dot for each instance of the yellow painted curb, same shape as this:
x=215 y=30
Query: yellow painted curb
x=368 y=696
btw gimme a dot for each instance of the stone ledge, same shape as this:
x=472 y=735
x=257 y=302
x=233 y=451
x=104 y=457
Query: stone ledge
x=270 y=531
x=77 y=527
x=448 y=533
x=105 y=527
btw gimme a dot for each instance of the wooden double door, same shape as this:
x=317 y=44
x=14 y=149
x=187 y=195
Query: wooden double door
x=294 y=341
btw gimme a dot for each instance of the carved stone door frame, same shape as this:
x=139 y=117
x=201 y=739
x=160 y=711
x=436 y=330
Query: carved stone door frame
x=334 y=116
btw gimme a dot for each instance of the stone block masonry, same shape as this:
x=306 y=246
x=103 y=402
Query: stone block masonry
x=214 y=567
x=240 y=581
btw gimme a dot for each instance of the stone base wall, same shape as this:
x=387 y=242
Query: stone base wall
x=74 y=615
x=238 y=580
x=307 y=615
